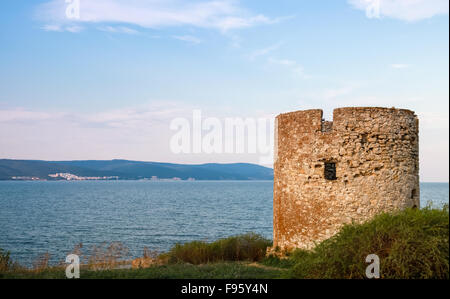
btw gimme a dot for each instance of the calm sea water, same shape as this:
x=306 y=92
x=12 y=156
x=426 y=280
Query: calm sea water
x=39 y=217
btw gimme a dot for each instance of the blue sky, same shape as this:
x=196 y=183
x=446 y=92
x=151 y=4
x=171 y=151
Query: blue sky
x=107 y=84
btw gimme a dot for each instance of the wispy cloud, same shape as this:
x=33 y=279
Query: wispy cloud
x=60 y=28
x=55 y=28
x=130 y=117
x=330 y=94
x=407 y=10
x=74 y=28
x=24 y=115
x=291 y=65
x=264 y=51
x=118 y=29
x=400 y=66
x=223 y=15
x=136 y=132
x=234 y=22
x=283 y=62
x=188 y=38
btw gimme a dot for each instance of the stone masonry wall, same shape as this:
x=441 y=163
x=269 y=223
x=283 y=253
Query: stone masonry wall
x=375 y=152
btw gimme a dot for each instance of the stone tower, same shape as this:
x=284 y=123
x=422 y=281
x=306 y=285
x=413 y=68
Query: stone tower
x=330 y=173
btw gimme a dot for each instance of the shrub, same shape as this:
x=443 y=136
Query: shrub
x=107 y=256
x=42 y=262
x=412 y=244
x=248 y=247
x=5 y=261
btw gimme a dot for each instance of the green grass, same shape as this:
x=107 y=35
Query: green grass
x=230 y=270
x=248 y=247
x=411 y=244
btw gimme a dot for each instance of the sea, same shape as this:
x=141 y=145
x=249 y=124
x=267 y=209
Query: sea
x=39 y=217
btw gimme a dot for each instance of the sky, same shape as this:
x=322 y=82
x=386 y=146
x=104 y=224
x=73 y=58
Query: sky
x=105 y=79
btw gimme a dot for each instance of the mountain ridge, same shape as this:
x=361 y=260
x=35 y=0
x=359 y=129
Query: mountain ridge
x=129 y=170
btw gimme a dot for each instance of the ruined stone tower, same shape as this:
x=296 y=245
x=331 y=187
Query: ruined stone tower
x=330 y=173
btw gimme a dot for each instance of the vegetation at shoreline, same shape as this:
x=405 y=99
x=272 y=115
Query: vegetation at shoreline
x=411 y=244
x=229 y=270
x=248 y=247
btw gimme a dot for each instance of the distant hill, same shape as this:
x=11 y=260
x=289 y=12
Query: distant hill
x=128 y=170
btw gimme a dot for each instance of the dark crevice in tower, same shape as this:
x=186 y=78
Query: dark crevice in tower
x=363 y=139
x=330 y=171
x=327 y=126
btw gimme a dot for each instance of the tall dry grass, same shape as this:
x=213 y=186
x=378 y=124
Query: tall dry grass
x=247 y=247
x=108 y=256
x=41 y=263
